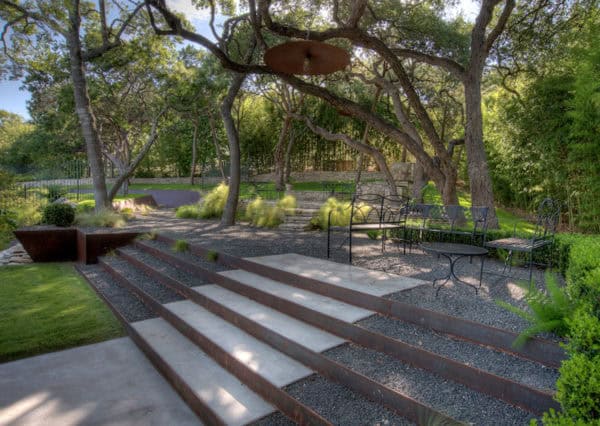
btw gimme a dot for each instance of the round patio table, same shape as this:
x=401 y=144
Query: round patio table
x=453 y=252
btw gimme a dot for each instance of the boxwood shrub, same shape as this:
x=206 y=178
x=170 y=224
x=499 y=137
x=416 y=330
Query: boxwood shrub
x=58 y=214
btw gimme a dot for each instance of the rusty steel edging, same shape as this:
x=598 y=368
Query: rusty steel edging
x=530 y=399
x=538 y=350
x=201 y=410
x=288 y=405
x=402 y=404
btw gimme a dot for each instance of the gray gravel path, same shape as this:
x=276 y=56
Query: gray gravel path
x=158 y=291
x=125 y=302
x=455 y=400
x=166 y=268
x=336 y=403
x=496 y=362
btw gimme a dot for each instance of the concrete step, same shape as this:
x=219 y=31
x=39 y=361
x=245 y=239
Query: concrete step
x=376 y=283
x=231 y=401
x=298 y=331
x=326 y=305
x=272 y=365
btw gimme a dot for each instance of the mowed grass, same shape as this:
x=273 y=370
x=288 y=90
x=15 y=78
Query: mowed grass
x=48 y=307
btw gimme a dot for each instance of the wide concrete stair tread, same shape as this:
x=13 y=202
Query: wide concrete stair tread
x=222 y=392
x=375 y=283
x=277 y=368
x=326 y=305
x=298 y=331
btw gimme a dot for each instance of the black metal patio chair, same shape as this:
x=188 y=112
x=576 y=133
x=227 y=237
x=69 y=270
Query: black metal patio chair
x=371 y=212
x=543 y=236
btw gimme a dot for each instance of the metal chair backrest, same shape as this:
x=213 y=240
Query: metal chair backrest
x=547 y=220
x=395 y=208
x=366 y=208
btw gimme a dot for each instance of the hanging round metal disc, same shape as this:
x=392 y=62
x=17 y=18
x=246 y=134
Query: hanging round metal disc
x=306 y=57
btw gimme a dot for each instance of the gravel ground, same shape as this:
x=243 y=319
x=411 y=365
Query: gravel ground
x=496 y=362
x=125 y=302
x=454 y=299
x=457 y=401
x=166 y=268
x=336 y=403
x=155 y=289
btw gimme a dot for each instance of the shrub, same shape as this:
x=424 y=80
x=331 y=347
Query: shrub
x=583 y=273
x=7 y=225
x=55 y=192
x=578 y=387
x=549 y=311
x=584 y=333
x=262 y=214
x=104 y=218
x=214 y=203
x=188 y=211
x=58 y=214
x=180 y=246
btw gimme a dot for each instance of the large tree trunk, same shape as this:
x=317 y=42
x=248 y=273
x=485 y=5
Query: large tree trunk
x=280 y=154
x=86 y=117
x=213 y=132
x=228 y=218
x=288 y=155
x=479 y=175
x=194 y=152
x=419 y=182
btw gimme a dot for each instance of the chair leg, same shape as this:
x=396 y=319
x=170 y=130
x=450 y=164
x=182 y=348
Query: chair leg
x=530 y=268
x=350 y=248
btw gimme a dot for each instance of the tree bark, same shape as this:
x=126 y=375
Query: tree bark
x=419 y=182
x=213 y=132
x=280 y=154
x=479 y=174
x=228 y=218
x=194 y=152
x=86 y=117
x=288 y=155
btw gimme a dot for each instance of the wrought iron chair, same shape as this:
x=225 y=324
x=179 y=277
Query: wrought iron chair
x=371 y=212
x=543 y=236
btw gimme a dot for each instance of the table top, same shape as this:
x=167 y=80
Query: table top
x=455 y=249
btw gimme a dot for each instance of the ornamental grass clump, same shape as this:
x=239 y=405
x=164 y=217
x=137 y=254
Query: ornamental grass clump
x=188 y=211
x=340 y=213
x=214 y=203
x=288 y=204
x=104 y=219
x=180 y=246
x=262 y=214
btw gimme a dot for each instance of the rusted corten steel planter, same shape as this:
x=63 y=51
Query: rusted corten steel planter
x=49 y=243
x=92 y=244
x=55 y=244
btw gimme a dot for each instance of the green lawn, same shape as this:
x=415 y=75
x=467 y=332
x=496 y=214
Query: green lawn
x=48 y=307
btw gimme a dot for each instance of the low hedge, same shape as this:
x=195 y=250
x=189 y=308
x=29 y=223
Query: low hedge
x=578 y=387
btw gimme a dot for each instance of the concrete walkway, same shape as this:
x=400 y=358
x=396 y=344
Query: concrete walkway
x=106 y=383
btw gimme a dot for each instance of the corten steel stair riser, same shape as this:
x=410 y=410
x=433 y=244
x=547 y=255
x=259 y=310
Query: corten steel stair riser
x=332 y=370
x=512 y=392
x=538 y=350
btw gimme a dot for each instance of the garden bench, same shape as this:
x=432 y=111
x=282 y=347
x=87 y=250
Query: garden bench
x=434 y=222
